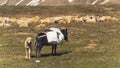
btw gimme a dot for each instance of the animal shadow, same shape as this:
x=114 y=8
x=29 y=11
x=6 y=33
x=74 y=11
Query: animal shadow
x=57 y=54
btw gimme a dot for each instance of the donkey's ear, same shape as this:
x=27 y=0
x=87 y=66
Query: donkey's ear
x=66 y=29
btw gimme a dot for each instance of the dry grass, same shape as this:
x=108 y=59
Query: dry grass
x=58 y=11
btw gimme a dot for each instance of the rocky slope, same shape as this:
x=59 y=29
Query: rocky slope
x=58 y=2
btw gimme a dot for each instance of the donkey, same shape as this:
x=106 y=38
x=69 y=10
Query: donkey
x=41 y=40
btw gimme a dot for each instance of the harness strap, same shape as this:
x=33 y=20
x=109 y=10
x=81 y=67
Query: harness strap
x=41 y=36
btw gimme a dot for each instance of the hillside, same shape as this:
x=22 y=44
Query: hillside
x=58 y=2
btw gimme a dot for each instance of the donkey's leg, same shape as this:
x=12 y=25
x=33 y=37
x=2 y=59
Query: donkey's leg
x=39 y=53
x=55 y=47
x=36 y=52
x=52 y=49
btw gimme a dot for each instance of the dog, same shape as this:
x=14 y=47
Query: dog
x=28 y=47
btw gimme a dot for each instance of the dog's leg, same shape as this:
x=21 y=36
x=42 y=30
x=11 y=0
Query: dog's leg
x=29 y=53
x=26 y=53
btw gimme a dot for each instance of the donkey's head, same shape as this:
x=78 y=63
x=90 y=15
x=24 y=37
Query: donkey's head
x=65 y=33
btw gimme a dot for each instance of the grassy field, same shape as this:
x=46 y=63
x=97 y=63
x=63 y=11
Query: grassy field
x=90 y=45
x=59 y=11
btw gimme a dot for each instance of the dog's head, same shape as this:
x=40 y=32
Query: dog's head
x=28 y=39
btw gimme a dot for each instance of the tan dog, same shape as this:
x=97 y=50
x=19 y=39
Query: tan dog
x=28 y=47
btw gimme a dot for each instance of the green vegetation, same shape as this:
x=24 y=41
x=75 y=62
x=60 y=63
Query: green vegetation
x=90 y=45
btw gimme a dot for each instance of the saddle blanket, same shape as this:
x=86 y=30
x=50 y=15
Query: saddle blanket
x=55 y=36
x=52 y=37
